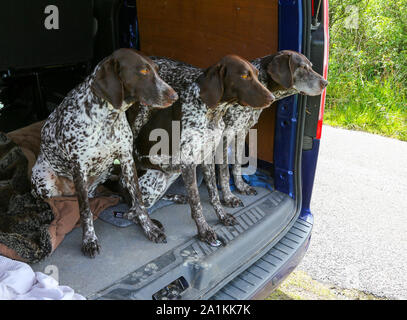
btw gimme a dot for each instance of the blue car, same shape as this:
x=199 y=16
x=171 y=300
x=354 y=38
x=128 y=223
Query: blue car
x=275 y=225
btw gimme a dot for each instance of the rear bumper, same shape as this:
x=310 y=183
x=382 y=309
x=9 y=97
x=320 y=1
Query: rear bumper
x=263 y=276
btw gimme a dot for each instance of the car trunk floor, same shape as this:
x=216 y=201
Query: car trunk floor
x=125 y=251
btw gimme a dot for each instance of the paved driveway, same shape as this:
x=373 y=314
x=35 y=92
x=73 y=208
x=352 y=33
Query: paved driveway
x=360 y=209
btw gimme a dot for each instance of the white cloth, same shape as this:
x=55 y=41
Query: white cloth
x=19 y=282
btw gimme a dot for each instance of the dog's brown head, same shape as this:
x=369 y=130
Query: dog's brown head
x=291 y=69
x=128 y=76
x=233 y=79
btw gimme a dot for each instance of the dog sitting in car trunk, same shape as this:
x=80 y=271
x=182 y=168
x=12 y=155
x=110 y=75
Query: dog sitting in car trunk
x=85 y=134
x=284 y=73
x=205 y=95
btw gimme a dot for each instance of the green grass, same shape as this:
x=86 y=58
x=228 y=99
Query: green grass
x=377 y=106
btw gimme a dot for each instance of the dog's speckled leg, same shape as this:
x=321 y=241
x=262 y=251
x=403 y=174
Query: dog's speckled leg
x=205 y=232
x=241 y=186
x=229 y=199
x=138 y=210
x=208 y=171
x=90 y=245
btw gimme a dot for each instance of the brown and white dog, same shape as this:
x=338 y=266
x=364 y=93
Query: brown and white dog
x=284 y=74
x=88 y=131
x=205 y=96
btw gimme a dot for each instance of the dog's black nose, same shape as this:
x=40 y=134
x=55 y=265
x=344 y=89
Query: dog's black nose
x=271 y=98
x=323 y=83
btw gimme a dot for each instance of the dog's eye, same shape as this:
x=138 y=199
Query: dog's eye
x=144 y=71
x=245 y=76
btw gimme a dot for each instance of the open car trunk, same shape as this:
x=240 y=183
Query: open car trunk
x=270 y=237
x=132 y=267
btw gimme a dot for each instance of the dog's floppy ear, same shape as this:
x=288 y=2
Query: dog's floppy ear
x=281 y=71
x=211 y=85
x=107 y=84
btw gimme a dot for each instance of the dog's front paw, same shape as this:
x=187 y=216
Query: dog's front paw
x=244 y=188
x=90 y=247
x=154 y=231
x=232 y=201
x=228 y=220
x=209 y=236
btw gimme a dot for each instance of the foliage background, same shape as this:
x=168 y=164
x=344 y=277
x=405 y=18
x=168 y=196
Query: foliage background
x=368 y=66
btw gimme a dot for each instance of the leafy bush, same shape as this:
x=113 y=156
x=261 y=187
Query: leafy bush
x=368 y=66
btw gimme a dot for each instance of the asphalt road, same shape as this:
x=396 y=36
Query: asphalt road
x=359 y=203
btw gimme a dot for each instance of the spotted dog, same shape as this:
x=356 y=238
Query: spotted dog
x=85 y=134
x=204 y=97
x=284 y=74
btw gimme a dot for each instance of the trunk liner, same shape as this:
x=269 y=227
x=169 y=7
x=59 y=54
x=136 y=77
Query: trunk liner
x=131 y=267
